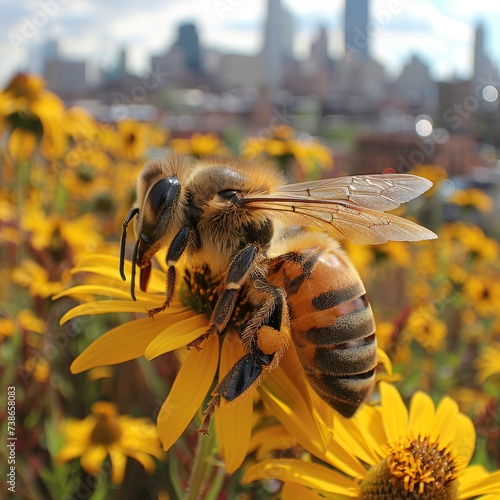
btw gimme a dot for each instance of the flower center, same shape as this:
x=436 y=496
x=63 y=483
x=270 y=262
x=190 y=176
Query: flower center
x=107 y=429
x=414 y=469
x=200 y=290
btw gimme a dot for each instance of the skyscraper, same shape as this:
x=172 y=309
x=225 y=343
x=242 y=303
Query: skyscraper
x=484 y=69
x=188 y=41
x=355 y=23
x=272 y=44
x=278 y=42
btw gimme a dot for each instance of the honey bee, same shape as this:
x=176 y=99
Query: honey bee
x=277 y=243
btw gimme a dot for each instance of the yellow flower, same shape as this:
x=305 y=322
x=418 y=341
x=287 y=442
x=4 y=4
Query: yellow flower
x=29 y=322
x=182 y=323
x=7 y=327
x=472 y=198
x=38 y=367
x=199 y=145
x=104 y=433
x=31 y=275
x=132 y=139
x=26 y=105
x=426 y=328
x=483 y=293
x=281 y=143
x=388 y=452
x=488 y=363
x=64 y=238
x=434 y=173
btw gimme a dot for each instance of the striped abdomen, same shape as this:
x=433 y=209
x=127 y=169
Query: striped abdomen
x=331 y=323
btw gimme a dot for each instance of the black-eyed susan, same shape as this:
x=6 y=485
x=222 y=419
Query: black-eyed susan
x=183 y=322
x=389 y=452
x=425 y=327
x=281 y=144
x=434 y=173
x=472 y=198
x=488 y=363
x=106 y=433
x=199 y=145
x=31 y=275
x=26 y=106
x=482 y=291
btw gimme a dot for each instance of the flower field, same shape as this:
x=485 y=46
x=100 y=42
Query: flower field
x=108 y=400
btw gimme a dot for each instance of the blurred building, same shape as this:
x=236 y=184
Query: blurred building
x=483 y=67
x=355 y=23
x=416 y=87
x=189 y=44
x=375 y=152
x=66 y=78
x=277 y=49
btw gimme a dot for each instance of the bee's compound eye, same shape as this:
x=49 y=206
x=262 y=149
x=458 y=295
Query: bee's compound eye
x=163 y=193
x=228 y=193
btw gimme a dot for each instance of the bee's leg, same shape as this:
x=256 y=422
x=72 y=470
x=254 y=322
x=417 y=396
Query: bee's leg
x=266 y=338
x=237 y=275
x=176 y=249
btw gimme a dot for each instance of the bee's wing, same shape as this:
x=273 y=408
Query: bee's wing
x=348 y=207
x=379 y=192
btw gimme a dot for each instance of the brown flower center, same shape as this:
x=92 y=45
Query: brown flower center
x=200 y=290
x=414 y=469
x=107 y=428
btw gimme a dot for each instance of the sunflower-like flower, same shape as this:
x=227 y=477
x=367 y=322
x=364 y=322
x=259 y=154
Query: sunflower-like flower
x=472 y=198
x=488 y=363
x=282 y=145
x=388 y=452
x=104 y=432
x=199 y=145
x=186 y=319
x=31 y=113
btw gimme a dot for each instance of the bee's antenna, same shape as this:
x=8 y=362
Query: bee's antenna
x=132 y=213
x=134 y=266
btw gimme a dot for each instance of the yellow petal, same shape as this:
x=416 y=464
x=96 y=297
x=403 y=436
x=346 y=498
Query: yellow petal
x=351 y=436
x=123 y=343
x=394 y=413
x=299 y=421
x=464 y=440
x=178 y=335
x=188 y=391
x=233 y=424
x=370 y=420
x=302 y=473
x=444 y=427
x=476 y=481
x=70 y=451
x=421 y=414
x=270 y=439
x=144 y=459
x=384 y=360
x=91 y=460
x=81 y=291
x=262 y=436
x=108 y=267
x=114 y=306
x=118 y=463
x=293 y=491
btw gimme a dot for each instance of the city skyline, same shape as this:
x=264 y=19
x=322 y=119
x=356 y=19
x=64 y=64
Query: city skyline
x=393 y=23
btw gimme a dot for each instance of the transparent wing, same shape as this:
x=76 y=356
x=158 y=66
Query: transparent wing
x=349 y=207
x=379 y=192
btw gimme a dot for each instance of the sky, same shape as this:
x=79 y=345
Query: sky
x=440 y=32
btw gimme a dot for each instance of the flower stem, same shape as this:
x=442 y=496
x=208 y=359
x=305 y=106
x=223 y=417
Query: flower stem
x=202 y=466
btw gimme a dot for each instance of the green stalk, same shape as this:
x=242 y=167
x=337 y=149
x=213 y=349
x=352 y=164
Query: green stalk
x=202 y=466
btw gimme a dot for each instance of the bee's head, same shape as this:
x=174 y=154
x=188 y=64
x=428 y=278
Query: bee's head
x=157 y=212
